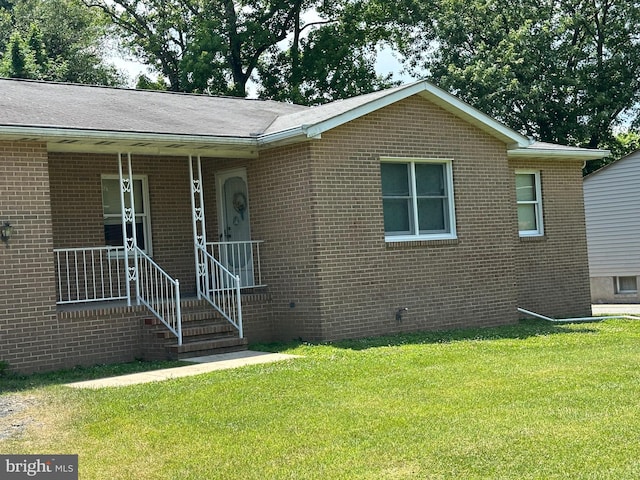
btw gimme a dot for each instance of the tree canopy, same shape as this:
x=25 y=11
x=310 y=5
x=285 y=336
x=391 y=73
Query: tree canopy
x=307 y=51
x=58 y=40
x=565 y=71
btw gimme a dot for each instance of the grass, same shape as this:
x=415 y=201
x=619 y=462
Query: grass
x=532 y=401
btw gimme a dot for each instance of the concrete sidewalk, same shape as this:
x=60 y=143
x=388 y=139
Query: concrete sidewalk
x=200 y=365
x=615 y=308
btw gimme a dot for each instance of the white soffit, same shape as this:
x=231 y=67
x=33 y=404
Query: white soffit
x=71 y=140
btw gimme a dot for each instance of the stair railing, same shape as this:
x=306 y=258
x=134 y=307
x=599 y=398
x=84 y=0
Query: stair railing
x=160 y=293
x=219 y=287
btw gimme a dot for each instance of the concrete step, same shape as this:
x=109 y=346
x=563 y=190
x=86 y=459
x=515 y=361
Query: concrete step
x=208 y=347
x=204 y=332
x=200 y=329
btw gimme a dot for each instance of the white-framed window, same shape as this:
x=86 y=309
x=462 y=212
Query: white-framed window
x=529 y=198
x=417 y=199
x=626 y=285
x=112 y=211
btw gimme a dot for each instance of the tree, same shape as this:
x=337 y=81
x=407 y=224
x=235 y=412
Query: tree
x=60 y=40
x=336 y=59
x=218 y=46
x=18 y=61
x=565 y=71
x=211 y=46
x=620 y=145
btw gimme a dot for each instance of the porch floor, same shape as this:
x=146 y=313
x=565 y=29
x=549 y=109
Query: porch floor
x=108 y=304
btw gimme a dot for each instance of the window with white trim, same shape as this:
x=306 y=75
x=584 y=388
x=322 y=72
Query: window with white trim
x=529 y=198
x=626 y=285
x=112 y=211
x=417 y=199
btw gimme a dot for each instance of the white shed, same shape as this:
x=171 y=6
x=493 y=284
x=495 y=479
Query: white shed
x=612 y=214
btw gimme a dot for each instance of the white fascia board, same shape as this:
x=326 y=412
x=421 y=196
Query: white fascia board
x=97 y=141
x=429 y=91
x=464 y=110
x=319 y=128
x=558 y=153
x=291 y=135
x=58 y=133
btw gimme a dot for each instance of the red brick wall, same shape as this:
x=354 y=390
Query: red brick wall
x=363 y=281
x=284 y=206
x=29 y=333
x=553 y=270
x=318 y=206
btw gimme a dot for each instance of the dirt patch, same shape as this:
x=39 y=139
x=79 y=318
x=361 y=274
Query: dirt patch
x=14 y=417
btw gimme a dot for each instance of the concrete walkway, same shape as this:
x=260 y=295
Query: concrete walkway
x=200 y=365
x=616 y=309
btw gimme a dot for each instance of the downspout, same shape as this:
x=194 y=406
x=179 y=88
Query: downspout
x=576 y=319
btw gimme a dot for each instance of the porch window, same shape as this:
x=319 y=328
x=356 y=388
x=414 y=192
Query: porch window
x=417 y=199
x=529 y=198
x=112 y=212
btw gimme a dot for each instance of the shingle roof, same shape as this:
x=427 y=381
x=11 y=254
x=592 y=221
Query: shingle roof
x=42 y=104
x=315 y=115
x=65 y=114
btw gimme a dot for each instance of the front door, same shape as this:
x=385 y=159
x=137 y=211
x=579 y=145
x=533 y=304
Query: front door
x=236 y=252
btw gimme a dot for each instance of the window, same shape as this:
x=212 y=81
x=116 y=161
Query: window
x=417 y=199
x=626 y=285
x=529 y=198
x=112 y=212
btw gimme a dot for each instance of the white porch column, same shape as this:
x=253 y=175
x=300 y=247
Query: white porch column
x=129 y=218
x=199 y=227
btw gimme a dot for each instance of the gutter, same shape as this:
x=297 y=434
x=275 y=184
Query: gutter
x=301 y=132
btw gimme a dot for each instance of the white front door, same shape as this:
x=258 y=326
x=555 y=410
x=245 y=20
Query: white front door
x=236 y=254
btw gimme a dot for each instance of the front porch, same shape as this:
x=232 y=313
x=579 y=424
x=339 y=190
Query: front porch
x=141 y=261
x=92 y=282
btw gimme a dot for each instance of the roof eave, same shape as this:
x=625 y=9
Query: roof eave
x=467 y=112
x=287 y=137
x=558 y=154
x=103 y=141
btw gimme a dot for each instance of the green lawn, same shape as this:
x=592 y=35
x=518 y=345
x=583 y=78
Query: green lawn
x=535 y=400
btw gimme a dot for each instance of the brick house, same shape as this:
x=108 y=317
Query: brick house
x=400 y=210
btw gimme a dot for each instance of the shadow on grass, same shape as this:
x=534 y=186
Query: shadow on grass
x=12 y=382
x=521 y=330
x=15 y=382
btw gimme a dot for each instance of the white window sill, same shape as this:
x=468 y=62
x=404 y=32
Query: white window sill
x=419 y=238
x=531 y=234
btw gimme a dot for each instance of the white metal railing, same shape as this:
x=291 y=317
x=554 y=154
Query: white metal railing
x=219 y=287
x=95 y=274
x=90 y=274
x=160 y=293
x=240 y=258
